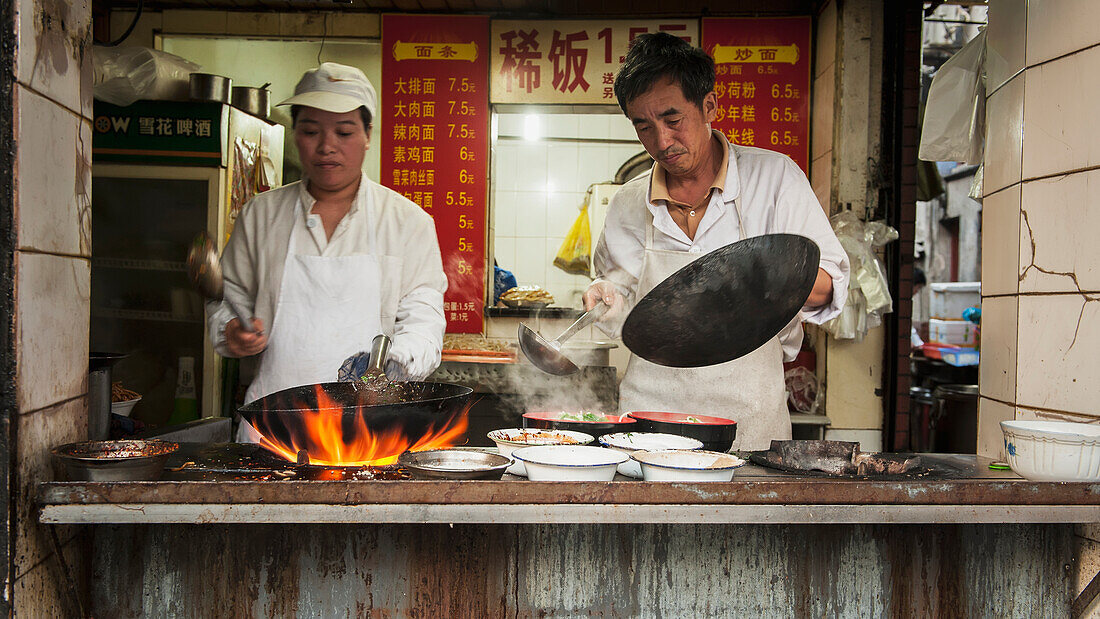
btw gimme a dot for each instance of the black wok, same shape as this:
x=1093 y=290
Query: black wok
x=421 y=407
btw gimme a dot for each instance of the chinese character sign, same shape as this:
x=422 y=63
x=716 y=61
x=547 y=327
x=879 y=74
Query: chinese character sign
x=566 y=61
x=763 y=82
x=435 y=142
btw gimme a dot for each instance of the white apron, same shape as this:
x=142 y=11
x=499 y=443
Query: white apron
x=749 y=390
x=329 y=308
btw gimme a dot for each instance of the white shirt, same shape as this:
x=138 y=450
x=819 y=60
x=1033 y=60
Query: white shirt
x=775 y=197
x=411 y=308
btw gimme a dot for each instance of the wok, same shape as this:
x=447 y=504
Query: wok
x=724 y=305
x=417 y=408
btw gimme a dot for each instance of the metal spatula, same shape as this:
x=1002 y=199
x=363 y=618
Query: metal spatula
x=204 y=269
x=547 y=356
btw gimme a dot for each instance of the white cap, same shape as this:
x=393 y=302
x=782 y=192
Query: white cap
x=335 y=88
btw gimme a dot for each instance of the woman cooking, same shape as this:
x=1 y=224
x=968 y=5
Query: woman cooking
x=329 y=262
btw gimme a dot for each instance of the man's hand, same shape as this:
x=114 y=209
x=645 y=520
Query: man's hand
x=241 y=343
x=605 y=292
x=822 y=292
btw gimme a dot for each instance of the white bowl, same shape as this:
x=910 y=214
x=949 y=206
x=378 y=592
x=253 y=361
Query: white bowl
x=683 y=465
x=511 y=439
x=1053 y=450
x=629 y=442
x=569 y=463
x=124 y=407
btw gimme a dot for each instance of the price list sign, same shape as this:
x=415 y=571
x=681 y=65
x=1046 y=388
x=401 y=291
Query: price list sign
x=435 y=142
x=763 y=82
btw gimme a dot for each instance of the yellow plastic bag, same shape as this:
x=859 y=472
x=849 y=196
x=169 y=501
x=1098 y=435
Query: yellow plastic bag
x=575 y=254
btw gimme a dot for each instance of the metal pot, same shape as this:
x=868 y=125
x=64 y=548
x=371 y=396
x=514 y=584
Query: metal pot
x=255 y=101
x=210 y=87
x=128 y=460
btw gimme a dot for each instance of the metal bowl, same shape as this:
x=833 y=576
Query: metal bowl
x=454 y=464
x=114 y=460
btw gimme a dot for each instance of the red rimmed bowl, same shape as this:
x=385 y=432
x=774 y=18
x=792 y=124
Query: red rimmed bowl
x=716 y=433
x=607 y=423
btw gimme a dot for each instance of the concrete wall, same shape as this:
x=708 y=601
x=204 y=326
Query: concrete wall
x=846 y=127
x=53 y=107
x=1041 y=267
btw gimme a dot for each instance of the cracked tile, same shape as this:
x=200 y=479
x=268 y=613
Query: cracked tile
x=1057 y=362
x=1001 y=242
x=1057 y=234
x=1059 y=109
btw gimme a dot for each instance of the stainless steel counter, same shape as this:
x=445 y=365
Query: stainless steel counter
x=757 y=495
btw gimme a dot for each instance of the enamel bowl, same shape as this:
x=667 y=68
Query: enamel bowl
x=682 y=465
x=1053 y=450
x=717 y=433
x=630 y=442
x=511 y=439
x=569 y=462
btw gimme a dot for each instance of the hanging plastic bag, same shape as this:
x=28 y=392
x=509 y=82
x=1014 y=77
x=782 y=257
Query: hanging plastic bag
x=954 y=116
x=575 y=254
x=868 y=290
x=122 y=75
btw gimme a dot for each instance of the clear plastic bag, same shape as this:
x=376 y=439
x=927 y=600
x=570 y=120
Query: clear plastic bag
x=123 y=75
x=954 y=116
x=868 y=290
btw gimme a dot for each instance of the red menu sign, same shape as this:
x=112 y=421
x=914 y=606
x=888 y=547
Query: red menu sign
x=763 y=82
x=435 y=142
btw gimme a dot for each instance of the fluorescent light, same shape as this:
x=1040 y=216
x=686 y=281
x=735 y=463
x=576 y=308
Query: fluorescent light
x=531 y=131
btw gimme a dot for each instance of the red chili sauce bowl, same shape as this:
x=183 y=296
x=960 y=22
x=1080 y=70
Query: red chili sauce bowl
x=552 y=420
x=716 y=433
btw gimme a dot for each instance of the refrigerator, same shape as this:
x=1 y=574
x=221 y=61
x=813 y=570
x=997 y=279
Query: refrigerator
x=162 y=172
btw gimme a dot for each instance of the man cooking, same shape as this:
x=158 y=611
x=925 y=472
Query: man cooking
x=329 y=262
x=702 y=194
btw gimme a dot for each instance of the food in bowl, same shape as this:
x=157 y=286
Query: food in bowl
x=630 y=442
x=569 y=462
x=683 y=465
x=1053 y=450
x=589 y=422
x=511 y=439
x=716 y=433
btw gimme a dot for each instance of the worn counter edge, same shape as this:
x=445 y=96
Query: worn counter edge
x=814 y=491
x=135 y=513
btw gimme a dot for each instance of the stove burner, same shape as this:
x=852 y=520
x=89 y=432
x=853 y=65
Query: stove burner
x=248 y=461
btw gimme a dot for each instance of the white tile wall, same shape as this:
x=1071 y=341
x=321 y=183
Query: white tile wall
x=1057 y=365
x=1058 y=27
x=997 y=370
x=52 y=329
x=1062 y=220
x=1005 y=41
x=1001 y=242
x=55 y=55
x=1060 y=115
x=54 y=177
x=1004 y=135
x=990 y=438
x=539 y=187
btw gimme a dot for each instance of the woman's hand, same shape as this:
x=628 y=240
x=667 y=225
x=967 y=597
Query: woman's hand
x=604 y=292
x=242 y=343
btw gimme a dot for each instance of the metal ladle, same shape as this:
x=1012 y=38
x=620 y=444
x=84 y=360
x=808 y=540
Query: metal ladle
x=547 y=356
x=204 y=269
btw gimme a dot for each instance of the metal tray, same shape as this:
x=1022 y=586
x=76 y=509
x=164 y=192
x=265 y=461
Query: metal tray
x=454 y=464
